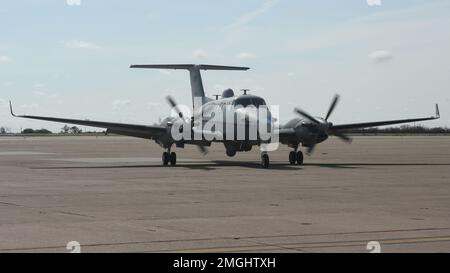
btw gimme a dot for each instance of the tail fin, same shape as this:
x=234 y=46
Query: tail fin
x=195 y=76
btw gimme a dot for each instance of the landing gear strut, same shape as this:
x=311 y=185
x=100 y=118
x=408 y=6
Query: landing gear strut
x=265 y=160
x=296 y=158
x=169 y=157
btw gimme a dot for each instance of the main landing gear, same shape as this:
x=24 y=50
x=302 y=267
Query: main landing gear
x=265 y=160
x=169 y=157
x=296 y=157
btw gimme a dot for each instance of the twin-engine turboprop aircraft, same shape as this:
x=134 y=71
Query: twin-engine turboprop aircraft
x=307 y=131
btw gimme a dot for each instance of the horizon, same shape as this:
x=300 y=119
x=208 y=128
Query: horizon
x=71 y=58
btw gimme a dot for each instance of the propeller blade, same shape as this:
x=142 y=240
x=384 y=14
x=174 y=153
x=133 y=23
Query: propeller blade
x=172 y=103
x=306 y=115
x=344 y=137
x=311 y=149
x=332 y=106
x=203 y=150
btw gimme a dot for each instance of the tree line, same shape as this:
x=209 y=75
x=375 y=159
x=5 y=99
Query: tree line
x=404 y=129
x=27 y=131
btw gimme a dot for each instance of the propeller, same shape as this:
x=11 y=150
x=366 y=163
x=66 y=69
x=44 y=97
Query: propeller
x=174 y=105
x=323 y=125
x=311 y=149
x=202 y=149
x=306 y=115
x=343 y=137
x=332 y=106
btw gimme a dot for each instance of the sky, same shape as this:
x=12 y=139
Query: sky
x=70 y=58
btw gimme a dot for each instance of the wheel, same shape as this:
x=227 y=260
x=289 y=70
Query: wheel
x=231 y=153
x=292 y=158
x=265 y=161
x=299 y=158
x=173 y=159
x=165 y=158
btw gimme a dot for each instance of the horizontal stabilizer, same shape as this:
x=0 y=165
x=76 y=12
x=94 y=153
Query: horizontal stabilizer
x=190 y=66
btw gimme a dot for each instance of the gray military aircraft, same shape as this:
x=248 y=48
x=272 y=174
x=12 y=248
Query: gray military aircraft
x=307 y=131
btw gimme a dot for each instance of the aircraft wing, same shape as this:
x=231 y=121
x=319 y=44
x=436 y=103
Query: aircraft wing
x=340 y=127
x=141 y=131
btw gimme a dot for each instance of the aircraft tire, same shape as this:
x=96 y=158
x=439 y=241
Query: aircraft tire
x=231 y=153
x=292 y=157
x=299 y=158
x=173 y=159
x=165 y=158
x=265 y=161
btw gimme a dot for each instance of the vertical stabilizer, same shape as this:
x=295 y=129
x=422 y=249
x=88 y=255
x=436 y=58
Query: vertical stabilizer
x=196 y=83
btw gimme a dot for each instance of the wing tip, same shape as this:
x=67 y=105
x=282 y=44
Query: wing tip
x=11 y=109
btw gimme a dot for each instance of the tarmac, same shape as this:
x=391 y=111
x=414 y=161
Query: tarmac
x=111 y=194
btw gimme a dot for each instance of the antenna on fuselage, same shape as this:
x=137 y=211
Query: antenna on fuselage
x=245 y=91
x=217 y=96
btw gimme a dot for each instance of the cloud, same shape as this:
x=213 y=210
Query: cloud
x=73 y=2
x=5 y=59
x=380 y=56
x=152 y=104
x=30 y=106
x=374 y=2
x=80 y=44
x=248 y=17
x=38 y=91
x=119 y=104
x=219 y=88
x=199 y=54
x=164 y=71
x=44 y=94
x=401 y=27
x=245 y=56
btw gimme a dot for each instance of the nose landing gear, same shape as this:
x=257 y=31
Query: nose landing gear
x=169 y=157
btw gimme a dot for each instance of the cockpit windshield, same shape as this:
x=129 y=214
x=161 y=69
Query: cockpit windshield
x=249 y=101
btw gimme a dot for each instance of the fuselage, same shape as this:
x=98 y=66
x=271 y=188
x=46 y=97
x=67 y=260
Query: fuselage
x=239 y=120
x=245 y=108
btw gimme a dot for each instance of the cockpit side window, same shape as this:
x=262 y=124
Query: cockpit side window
x=244 y=102
x=258 y=102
